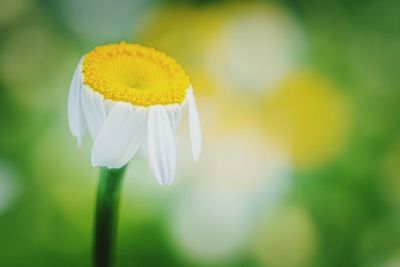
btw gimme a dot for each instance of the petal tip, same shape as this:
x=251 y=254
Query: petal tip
x=164 y=181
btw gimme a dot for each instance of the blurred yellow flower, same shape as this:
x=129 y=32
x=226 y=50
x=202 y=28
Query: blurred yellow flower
x=126 y=95
x=309 y=116
x=185 y=33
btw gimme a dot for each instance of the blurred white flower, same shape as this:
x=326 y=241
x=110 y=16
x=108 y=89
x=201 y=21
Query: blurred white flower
x=255 y=49
x=246 y=163
x=242 y=175
x=209 y=226
x=127 y=95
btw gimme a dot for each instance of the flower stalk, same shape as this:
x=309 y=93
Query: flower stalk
x=106 y=218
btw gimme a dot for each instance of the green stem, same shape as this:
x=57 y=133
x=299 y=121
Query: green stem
x=106 y=220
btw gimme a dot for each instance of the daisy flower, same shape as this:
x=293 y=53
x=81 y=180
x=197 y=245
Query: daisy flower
x=128 y=96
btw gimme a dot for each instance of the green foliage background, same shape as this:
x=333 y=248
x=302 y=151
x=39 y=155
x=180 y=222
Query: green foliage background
x=342 y=211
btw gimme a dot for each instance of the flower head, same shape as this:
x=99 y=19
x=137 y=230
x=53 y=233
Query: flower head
x=126 y=96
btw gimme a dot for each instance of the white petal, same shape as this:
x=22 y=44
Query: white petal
x=175 y=115
x=93 y=108
x=120 y=136
x=194 y=125
x=161 y=145
x=76 y=119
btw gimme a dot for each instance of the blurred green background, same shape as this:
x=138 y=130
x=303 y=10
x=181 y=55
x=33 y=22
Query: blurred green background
x=300 y=107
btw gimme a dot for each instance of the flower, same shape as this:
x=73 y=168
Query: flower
x=126 y=96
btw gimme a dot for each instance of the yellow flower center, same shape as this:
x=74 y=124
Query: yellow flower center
x=136 y=74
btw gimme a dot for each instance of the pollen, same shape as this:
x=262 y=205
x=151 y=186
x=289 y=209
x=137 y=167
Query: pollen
x=136 y=74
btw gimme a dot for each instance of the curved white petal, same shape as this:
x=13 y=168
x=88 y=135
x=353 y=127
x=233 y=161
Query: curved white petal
x=194 y=125
x=161 y=145
x=120 y=136
x=93 y=108
x=76 y=119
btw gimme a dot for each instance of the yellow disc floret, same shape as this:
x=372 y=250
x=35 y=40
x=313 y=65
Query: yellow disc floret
x=136 y=74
